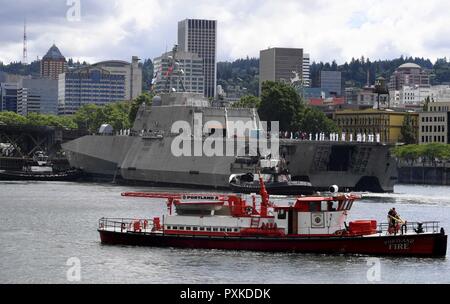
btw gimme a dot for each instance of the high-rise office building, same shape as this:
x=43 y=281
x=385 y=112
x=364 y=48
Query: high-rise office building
x=53 y=63
x=306 y=71
x=281 y=64
x=200 y=37
x=37 y=95
x=186 y=76
x=8 y=96
x=89 y=85
x=131 y=71
x=331 y=82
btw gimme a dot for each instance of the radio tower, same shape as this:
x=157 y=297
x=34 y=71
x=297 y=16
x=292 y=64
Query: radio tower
x=25 y=50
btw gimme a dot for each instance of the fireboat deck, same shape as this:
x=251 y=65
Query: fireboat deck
x=380 y=244
x=313 y=224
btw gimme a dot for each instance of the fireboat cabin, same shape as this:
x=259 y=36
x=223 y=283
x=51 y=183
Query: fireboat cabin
x=311 y=224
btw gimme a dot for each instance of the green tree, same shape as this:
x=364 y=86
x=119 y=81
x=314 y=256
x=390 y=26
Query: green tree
x=89 y=118
x=248 y=101
x=12 y=119
x=66 y=122
x=312 y=120
x=433 y=153
x=436 y=152
x=116 y=114
x=408 y=134
x=147 y=74
x=280 y=102
x=408 y=153
x=146 y=98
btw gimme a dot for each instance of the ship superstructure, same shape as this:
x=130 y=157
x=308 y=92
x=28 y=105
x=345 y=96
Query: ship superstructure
x=146 y=152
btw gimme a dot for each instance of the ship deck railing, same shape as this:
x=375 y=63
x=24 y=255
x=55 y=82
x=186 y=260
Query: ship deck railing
x=126 y=225
x=410 y=228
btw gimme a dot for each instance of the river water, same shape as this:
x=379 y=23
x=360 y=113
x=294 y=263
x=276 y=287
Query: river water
x=44 y=224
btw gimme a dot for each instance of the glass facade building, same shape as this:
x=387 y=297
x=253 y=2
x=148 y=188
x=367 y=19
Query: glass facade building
x=89 y=86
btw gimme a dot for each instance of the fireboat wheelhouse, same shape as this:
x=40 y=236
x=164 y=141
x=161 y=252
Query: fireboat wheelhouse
x=312 y=224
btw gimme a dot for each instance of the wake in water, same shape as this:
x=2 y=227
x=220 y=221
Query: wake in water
x=413 y=194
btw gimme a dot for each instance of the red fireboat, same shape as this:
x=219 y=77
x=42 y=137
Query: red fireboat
x=312 y=224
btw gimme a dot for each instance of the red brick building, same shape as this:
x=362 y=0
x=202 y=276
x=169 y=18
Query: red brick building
x=53 y=63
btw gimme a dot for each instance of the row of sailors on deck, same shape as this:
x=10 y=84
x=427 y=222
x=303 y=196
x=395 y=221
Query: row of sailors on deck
x=360 y=137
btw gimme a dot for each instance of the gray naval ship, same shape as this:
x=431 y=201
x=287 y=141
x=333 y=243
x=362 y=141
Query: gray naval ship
x=144 y=153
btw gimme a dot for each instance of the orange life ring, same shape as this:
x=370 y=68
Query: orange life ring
x=339 y=233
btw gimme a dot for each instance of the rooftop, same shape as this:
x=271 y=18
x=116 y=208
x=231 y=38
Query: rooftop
x=54 y=54
x=410 y=65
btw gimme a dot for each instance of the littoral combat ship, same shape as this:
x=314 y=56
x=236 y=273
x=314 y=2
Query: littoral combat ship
x=146 y=152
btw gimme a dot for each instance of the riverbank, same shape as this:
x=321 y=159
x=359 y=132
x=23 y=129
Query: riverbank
x=424 y=175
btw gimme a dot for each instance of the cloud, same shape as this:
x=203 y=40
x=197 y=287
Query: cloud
x=327 y=29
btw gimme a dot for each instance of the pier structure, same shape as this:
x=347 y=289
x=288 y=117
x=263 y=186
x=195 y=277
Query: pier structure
x=18 y=144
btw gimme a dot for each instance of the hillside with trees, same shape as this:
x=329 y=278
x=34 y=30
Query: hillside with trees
x=242 y=72
x=245 y=72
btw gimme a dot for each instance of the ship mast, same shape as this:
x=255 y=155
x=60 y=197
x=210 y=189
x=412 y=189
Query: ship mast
x=173 y=69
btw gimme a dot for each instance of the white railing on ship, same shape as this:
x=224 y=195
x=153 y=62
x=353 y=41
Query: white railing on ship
x=123 y=224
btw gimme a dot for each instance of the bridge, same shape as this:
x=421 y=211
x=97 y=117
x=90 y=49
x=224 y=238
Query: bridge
x=20 y=143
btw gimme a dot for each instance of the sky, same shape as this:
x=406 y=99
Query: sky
x=95 y=30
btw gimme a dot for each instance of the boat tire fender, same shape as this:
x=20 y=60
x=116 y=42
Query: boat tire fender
x=339 y=232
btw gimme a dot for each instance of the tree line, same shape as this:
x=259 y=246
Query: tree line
x=245 y=72
x=426 y=153
x=120 y=115
x=281 y=102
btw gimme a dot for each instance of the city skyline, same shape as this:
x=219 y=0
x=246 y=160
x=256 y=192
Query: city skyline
x=328 y=30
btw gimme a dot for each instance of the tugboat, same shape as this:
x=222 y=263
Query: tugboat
x=275 y=175
x=311 y=224
x=40 y=169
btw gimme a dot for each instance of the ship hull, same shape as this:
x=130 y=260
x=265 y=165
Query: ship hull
x=423 y=245
x=142 y=160
x=26 y=176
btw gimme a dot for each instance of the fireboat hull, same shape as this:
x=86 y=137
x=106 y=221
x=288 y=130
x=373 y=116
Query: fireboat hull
x=422 y=245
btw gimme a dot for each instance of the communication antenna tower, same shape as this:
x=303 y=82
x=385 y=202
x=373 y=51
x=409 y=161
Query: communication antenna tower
x=25 y=49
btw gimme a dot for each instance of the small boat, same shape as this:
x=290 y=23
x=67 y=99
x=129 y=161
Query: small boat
x=40 y=169
x=310 y=224
x=276 y=177
x=40 y=175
